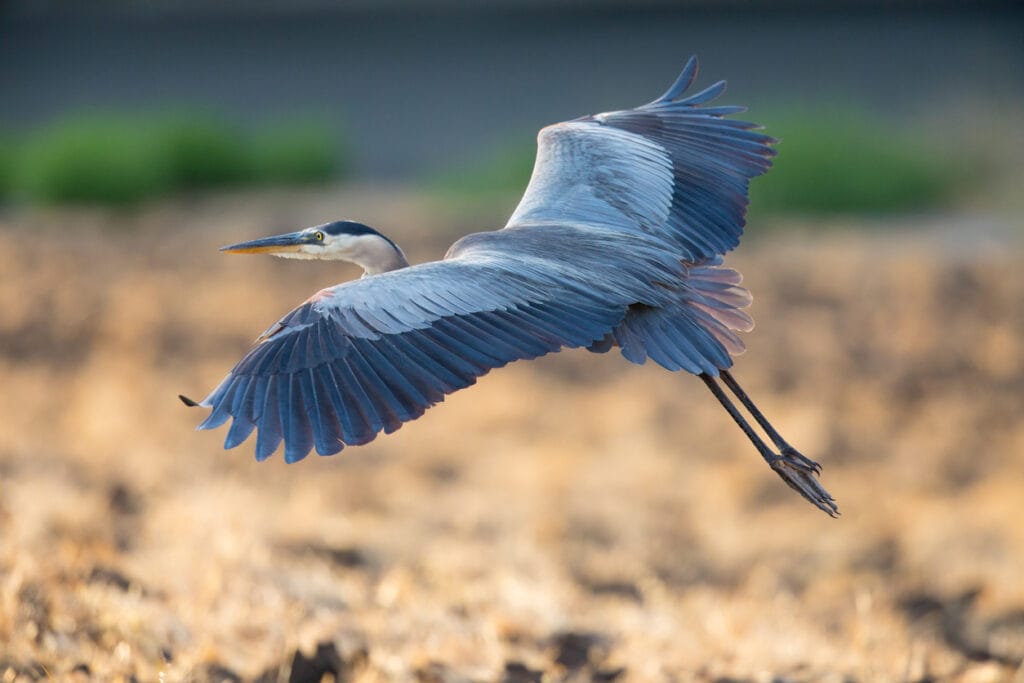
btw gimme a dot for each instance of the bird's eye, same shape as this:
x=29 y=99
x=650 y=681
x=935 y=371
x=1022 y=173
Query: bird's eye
x=318 y=236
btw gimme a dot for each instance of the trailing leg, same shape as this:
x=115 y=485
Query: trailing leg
x=796 y=457
x=794 y=469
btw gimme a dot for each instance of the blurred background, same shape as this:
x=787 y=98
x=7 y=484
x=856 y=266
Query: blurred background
x=575 y=518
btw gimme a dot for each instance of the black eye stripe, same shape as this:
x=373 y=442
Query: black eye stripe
x=354 y=229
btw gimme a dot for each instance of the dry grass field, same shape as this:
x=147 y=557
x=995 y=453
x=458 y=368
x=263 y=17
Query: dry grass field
x=576 y=518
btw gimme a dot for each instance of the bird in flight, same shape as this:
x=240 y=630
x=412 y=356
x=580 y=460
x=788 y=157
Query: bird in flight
x=617 y=242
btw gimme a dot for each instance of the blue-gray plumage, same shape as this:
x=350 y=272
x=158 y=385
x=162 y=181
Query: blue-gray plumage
x=618 y=241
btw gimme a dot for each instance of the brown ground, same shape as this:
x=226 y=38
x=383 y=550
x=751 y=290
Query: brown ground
x=575 y=518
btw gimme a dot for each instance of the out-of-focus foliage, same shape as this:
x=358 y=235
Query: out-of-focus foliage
x=848 y=162
x=829 y=162
x=98 y=159
x=118 y=160
x=202 y=152
x=7 y=166
x=501 y=170
x=298 y=152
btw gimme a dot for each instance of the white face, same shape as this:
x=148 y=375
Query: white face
x=343 y=247
x=375 y=253
x=334 y=247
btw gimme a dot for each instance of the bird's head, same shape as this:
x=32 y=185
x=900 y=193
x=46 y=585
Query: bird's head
x=339 y=241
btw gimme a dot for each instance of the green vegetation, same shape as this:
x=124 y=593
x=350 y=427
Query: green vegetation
x=201 y=152
x=112 y=159
x=502 y=170
x=296 y=153
x=836 y=162
x=90 y=159
x=7 y=167
x=829 y=162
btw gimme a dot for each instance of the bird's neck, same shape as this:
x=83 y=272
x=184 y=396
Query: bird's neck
x=377 y=256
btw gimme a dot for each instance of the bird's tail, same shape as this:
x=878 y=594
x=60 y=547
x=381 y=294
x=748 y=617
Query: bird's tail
x=696 y=331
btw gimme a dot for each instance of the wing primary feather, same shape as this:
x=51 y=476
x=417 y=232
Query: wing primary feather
x=454 y=342
x=298 y=440
x=426 y=383
x=706 y=95
x=303 y=379
x=411 y=400
x=682 y=82
x=355 y=424
x=442 y=378
x=241 y=404
x=321 y=417
x=722 y=110
x=462 y=370
x=359 y=399
x=470 y=328
x=240 y=430
x=239 y=389
x=381 y=400
x=254 y=404
x=269 y=436
x=222 y=398
x=332 y=441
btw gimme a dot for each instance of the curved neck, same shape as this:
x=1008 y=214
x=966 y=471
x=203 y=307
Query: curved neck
x=376 y=256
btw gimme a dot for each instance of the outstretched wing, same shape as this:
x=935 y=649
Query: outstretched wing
x=671 y=168
x=368 y=355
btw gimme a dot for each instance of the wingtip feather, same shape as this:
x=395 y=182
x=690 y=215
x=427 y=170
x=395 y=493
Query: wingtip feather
x=708 y=94
x=685 y=79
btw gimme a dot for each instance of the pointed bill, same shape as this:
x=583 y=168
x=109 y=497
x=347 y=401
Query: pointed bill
x=278 y=244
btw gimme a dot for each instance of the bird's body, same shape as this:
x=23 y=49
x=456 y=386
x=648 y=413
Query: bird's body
x=618 y=241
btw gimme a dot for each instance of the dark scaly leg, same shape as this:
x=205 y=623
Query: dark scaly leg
x=797 y=459
x=794 y=469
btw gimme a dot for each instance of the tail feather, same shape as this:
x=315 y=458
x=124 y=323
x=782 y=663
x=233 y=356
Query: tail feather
x=696 y=331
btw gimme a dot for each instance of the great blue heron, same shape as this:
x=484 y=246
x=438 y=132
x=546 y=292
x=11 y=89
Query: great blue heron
x=618 y=241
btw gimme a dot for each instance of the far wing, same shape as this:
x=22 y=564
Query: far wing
x=671 y=168
x=368 y=355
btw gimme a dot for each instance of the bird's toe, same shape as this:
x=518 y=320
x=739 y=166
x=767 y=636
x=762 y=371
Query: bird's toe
x=801 y=478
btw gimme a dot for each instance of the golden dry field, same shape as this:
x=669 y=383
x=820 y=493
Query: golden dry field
x=575 y=518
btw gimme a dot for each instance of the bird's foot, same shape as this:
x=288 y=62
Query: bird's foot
x=799 y=460
x=800 y=473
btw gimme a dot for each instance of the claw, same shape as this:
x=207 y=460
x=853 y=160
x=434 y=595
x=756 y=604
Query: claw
x=800 y=461
x=799 y=475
